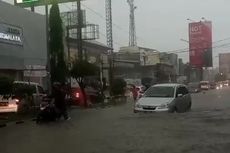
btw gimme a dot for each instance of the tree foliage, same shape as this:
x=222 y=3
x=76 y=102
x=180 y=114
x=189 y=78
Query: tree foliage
x=82 y=69
x=57 y=56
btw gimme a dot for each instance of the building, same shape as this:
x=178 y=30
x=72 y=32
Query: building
x=170 y=59
x=210 y=73
x=181 y=67
x=145 y=56
x=144 y=64
x=224 y=64
x=93 y=51
x=131 y=61
x=23 y=47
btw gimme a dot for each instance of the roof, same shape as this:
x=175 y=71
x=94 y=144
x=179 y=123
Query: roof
x=92 y=43
x=138 y=48
x=168 y=85
x=97 y=43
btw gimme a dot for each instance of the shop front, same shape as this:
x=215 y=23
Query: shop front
x=22 y=43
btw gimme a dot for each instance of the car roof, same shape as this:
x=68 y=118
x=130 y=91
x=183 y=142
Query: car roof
x=24 y=82
x=168 y=85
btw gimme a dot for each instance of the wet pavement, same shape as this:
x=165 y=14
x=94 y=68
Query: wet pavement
x=206 y=129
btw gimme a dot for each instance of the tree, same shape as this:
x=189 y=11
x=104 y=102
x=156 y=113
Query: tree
x=57 y=56
x=81 y=70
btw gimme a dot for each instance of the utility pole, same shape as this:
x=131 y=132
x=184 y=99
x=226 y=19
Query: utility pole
x=79 y=30
x=109 y=24
x=132 y=27
x=109 y=33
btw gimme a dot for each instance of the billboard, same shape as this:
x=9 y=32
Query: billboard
x=25 y=1
x=200 y=44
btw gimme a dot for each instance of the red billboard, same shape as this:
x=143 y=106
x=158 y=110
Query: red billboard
x=200 y=44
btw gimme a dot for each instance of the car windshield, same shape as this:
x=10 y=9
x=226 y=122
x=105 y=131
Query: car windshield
x=160 y=92
x=204 y=84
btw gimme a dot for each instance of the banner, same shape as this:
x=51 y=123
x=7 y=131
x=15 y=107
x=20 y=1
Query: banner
x=200 y=44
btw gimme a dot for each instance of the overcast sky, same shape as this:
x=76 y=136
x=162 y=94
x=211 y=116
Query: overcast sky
x=160 y=24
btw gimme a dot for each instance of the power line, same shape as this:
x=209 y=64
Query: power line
x=101 y=16
x=186 y=49
x=114 y=24
x=222 y=40
x=182 y=50
x=218 y=46
x=104 y=35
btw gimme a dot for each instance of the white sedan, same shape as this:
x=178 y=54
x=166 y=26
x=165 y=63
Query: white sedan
x=164 y=97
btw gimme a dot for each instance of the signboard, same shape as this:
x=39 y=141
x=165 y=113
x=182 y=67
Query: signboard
x=11 y=34
x=29 y=3
x=200 y=44
x=25 y=1
x=70 y=19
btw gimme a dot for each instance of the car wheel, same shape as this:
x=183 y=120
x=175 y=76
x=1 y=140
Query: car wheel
x=135 y=111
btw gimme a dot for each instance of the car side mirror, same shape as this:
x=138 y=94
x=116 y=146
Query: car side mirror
x=179 y=95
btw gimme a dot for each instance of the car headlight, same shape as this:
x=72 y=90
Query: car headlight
x=138 y=105
x=162 y=106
